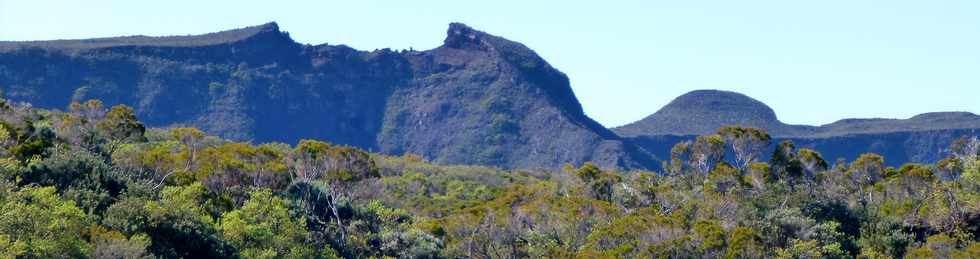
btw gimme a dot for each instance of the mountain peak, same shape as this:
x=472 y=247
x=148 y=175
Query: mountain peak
x=460 y=36
x=268 y=27
x=703 y=111
x=268 y=30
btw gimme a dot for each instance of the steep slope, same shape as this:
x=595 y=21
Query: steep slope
x=501 y=102
x=478 y=99
x=922 y=138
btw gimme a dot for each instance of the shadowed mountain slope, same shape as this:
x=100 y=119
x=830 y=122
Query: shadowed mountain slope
x=477 y=99
x=703 y=111
x=922 y=138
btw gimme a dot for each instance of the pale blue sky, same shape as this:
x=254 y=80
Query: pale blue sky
x=812 y=61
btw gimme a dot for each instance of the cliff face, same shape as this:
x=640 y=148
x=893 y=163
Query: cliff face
x=923 y=138
x=478 y=99
x=897 y=147
x=503 y=105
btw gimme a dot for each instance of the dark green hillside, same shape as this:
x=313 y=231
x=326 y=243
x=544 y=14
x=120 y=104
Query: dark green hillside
x=478 y=99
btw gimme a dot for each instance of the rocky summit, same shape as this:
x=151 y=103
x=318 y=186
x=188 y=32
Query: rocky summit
x=477 y=99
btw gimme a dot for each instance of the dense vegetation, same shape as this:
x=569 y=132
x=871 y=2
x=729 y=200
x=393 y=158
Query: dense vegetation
x=94 y=182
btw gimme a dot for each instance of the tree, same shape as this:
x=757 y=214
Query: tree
x=744 y=242
x=949 y=168
x=36 y=223
x=811 y=161
x=600 y=183
x=120 y=123
x=78 y=174
x=746 y=143
x=192 y=144
x=78 y=126
x=724 y=179
x=264 y=228
x=32 y=140
x=868 y=169
x=785 y=165
x=151 y=162
x=232 y=169
x=180 y=224
x=680 y=158
x=884 y=236
x=966 y=148
x=758 y=174
x=111 y=244
x=711 y=237
x=338 y=167
x=707 y=151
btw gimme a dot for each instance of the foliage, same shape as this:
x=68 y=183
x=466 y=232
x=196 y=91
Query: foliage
x=91 y=183
x=264 y=227
x=36 y=222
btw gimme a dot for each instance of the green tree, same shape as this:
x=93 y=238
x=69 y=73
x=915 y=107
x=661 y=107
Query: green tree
x=680 y=158
x=711 y=236
x=707 y=151
x=745 y=243
x=36 y=223
x=120 y=123
x=338 y=167
x=599 y=183
x=785 y=165
x=868 y=169
x=882 y=235
x=78 y=174
x=264 y=228
x=180 y=224
x=811 y=161
x=746 y=143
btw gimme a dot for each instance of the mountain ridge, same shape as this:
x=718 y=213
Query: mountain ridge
x=922 y=138
x=207 y=39
x=477 y=99
x=703 y=111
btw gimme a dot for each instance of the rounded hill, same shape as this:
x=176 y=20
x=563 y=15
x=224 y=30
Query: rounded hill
x=704 y=111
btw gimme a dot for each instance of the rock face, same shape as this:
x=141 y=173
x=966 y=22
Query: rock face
x=477 y=99
x=922 y=138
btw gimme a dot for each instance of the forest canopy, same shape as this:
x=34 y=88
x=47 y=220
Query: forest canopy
x=93 y=181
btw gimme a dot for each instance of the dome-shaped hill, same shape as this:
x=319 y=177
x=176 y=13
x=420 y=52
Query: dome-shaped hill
x=704 y=111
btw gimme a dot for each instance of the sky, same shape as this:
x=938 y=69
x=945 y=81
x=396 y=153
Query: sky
x=813 y=62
